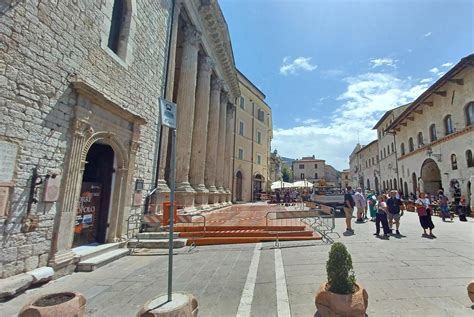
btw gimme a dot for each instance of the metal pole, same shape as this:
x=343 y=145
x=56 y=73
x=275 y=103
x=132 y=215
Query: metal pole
x=171 y=213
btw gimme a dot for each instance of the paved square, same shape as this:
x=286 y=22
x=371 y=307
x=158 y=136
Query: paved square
x=407 y=276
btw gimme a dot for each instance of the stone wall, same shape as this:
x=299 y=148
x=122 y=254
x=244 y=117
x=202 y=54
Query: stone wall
x=44 y=46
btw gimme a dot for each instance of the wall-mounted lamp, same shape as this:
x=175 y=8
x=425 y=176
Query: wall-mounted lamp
x=139 y=184
x=429 y=152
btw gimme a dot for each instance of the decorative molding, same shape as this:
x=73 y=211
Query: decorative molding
x=428 y=103
x=457 y=81
x=205 y=63
x=441 y=93
x=191 y=35
x=216 y=83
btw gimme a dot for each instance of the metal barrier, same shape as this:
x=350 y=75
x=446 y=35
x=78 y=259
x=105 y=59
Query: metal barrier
x=319 y=218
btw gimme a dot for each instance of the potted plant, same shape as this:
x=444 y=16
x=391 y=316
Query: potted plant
x=341 y=295
x=63 y=304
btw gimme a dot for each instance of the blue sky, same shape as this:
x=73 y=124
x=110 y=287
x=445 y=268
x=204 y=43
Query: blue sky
x=330 y=69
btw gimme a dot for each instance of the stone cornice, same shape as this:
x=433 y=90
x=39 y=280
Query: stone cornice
x=218 y=34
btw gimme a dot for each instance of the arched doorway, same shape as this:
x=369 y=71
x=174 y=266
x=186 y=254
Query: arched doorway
x=431 y=176
x=405 y=189
x=238 y=186
x=414 y=183
x=377 y=189
x=257 y=186
x=368 y=184
x=91 y=221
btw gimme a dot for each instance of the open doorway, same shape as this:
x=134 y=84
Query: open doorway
x=238 y=186
x=92 y=216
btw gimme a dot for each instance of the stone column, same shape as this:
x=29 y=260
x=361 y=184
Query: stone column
x=163 y=192
x=229 y=150
x=221 y=146
x=201 y=116
x=186 y=101
x=211 y=145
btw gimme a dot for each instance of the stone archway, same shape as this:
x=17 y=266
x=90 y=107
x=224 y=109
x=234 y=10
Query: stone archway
x=430 y=176
x=238 y=186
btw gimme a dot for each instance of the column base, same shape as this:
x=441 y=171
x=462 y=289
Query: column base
x=161 y=195
x=185 y=196
x=221 y=194
x=201 y=198
x=63 y=262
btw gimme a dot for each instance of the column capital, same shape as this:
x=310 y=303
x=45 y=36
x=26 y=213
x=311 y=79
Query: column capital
x=224 y=97
x=205 y=63
x=217 y=83
x=191 y=35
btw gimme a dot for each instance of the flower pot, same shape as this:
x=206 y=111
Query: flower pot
x=66 y=304
x=330 y=304
x=470 y=290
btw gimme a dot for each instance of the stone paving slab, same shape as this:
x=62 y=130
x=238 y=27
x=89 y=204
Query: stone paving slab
x=412 y=276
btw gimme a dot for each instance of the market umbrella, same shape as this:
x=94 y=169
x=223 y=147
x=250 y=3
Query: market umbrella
x=280 y=184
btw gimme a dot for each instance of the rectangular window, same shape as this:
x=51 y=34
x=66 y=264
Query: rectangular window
x=259 y=137
x=241 y=128
x=259 y=159
x=315 y=165
x=316 y=176
x=302 y=176
x=242 y=102
x=241 y=154
x=301 y=166
x=261 y=115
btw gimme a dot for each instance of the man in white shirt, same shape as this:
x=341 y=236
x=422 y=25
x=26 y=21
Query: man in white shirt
x=360 y=204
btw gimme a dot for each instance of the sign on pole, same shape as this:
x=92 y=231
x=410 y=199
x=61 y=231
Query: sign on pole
x=168 y=113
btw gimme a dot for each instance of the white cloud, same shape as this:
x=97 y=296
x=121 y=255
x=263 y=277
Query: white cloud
x=440 y=74
x=447 y=64
x=378 y=62
x=297 y=119
x=310 y=121
x=298 y=64
x=434 y=70
x=364 y=101
x=426 y=80
x=427 y=34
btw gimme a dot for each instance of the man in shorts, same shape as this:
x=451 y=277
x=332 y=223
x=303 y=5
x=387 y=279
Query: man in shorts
x=394 y=205
x=360 y=204
x=349 y=208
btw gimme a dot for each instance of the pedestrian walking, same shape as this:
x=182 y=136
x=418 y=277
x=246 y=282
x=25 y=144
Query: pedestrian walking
x=443 y=206
x=381 y=217
x=360 y=204
x=372 y=199
x=463 y=209
x=424 y=213
x=394 y=206
x=349 y=208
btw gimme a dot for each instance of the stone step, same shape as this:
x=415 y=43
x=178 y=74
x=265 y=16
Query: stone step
x=94 y=263
x=156 y=243
x=156 y=235
x=87 y=252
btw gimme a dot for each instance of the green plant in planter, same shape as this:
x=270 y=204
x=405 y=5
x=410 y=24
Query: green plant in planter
x=341 y=279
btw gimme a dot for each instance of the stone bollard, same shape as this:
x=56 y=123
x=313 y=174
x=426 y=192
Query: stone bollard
x=182 y=305
x=66 y=304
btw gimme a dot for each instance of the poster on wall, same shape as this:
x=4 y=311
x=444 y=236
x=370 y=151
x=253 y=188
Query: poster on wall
x=88 y=210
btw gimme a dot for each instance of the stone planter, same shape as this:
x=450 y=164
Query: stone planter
x=66 y=304
x=183 y=305
x=330 y=304
x=470 y=290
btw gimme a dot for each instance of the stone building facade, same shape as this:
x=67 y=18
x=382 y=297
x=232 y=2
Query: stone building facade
x=309 y=168
x=275 y=167
x=345 y=178
x=435 y=135
x=253 y=135
x=368 y=166
x=355 y=167
x=331 y=175
x=79 y=87
x=387 y=175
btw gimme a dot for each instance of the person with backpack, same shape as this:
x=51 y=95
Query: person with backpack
x=349 y=208
x=443 y=206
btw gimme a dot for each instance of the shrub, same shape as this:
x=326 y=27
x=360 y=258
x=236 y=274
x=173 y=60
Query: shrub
x=341 y=279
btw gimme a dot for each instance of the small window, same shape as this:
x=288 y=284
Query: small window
x=259 y=137
x=315 y=165
x=448 y=125
x=316 y=176
x=433 y=136
x=241 y=154
x=241 y=128
x=393 y=148
x=373 y=161
x=366 y=164
x=301 y=166
x=377 y=158
x=388 y=150
x=420 y=139
x=384 y=153
x=242 y=102
x=469 y=112
x=402 y=148
x=411 y=146
x=469 y=159
x=302 y=176
x=261 y=115
x=259 y=159
x=454 y=162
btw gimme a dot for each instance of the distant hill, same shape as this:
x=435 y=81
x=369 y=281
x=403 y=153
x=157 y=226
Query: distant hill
x=287 y=160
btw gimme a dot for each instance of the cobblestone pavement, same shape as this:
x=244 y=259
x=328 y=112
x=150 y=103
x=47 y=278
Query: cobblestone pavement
x=406 y=276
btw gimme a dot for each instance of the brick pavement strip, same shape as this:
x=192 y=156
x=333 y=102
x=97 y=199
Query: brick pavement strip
x=412 y=276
